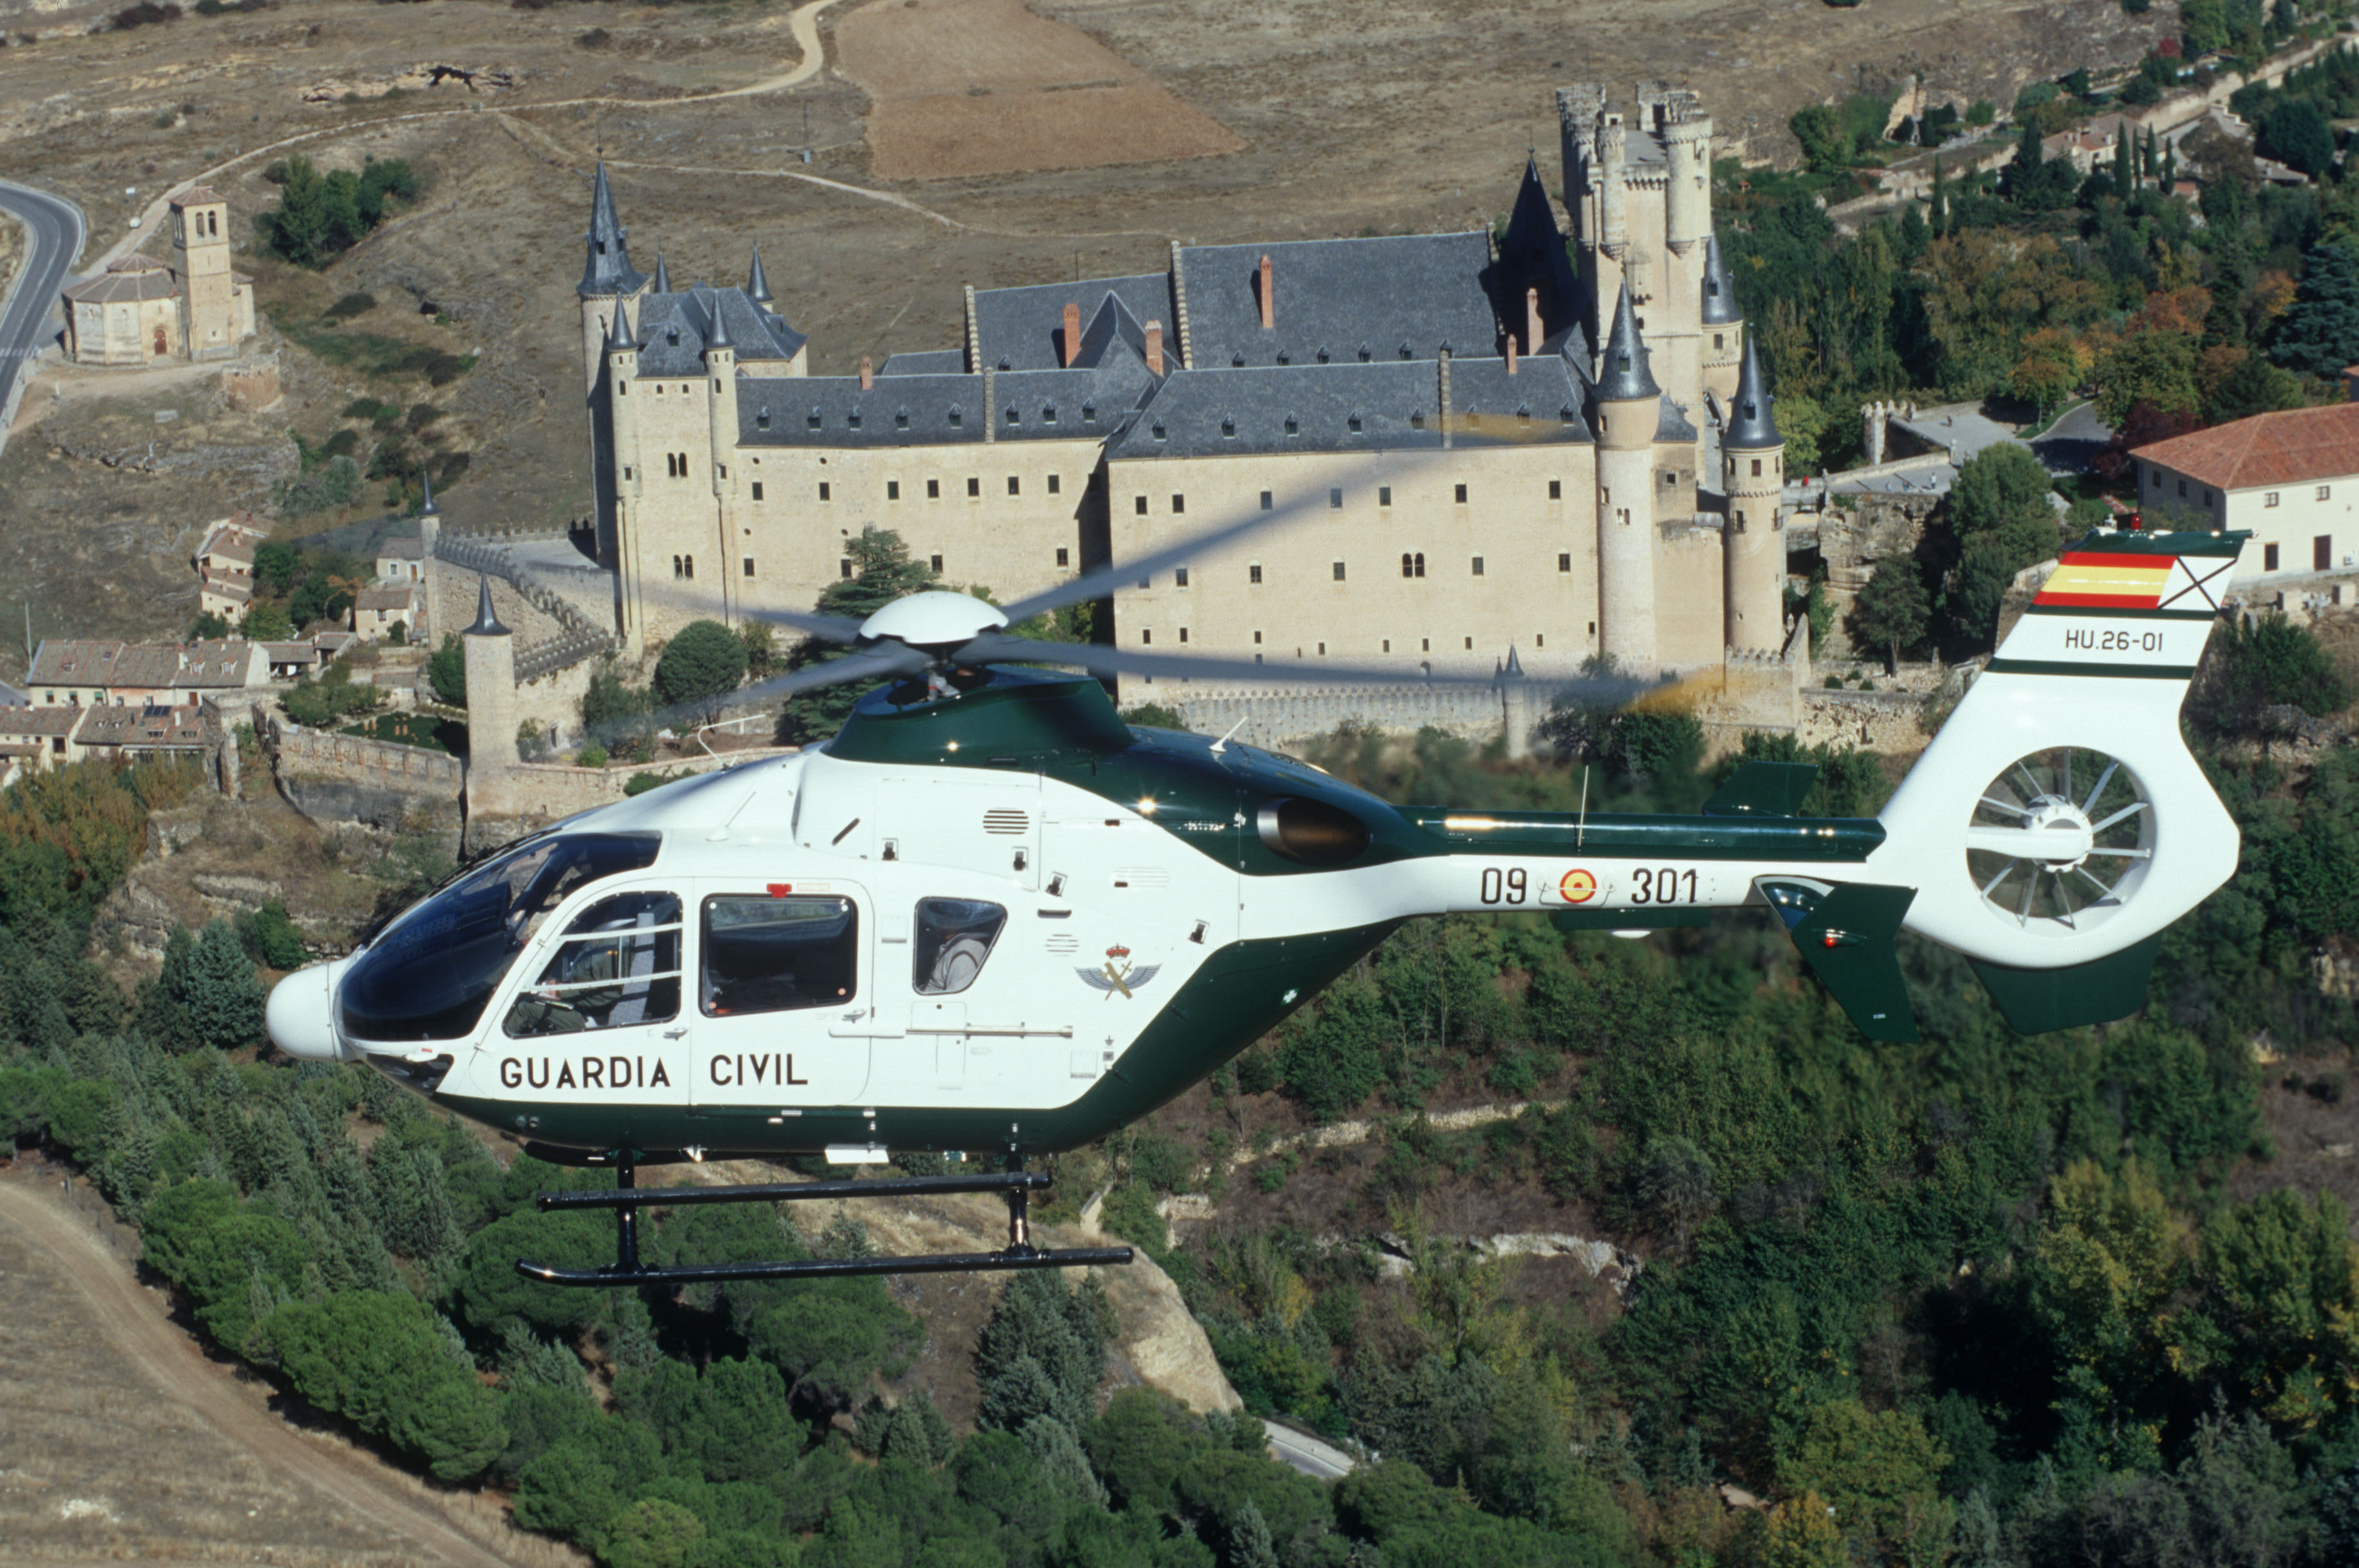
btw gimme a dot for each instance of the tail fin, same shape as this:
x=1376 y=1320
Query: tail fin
x=2059 y=818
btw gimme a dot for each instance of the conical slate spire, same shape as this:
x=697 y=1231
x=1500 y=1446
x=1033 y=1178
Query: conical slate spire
x=608 y=270
x=1623 y=376
x=757 y=288
x=663 y=274
x=426 y=508
x=717 y=336
x=487 y=624
x=1751 y=423
x=1514 y=670
x=1720 y=306
x=618 y=331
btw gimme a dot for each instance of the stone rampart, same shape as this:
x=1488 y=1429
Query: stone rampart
x=1281 y=717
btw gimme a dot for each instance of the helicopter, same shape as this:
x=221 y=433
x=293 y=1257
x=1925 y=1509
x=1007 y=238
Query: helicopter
x=988 y=917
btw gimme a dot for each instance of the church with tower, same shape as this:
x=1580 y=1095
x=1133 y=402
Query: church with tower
x=194 y=306
x=1558 y=443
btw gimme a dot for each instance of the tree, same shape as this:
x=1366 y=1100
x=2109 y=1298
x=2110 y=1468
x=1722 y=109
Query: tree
x=2124 y=171
x=1826 y=141
x=1675 y=1183
x=2050 y=369
x=881 y=572
x=1999 y=519
x=1041 y=1353
x=1894 y=609
x=1880 y=1474
x=2253 y=386
x=2320 y=334
x=223 y=1000
x=2155 y=370
x=2261 y=662
x=446 y=672
x=266 y=622
x=2297 y=134
x=2279 y=1282
x=704 y=663
x=1938 y=216
x=377 y=1359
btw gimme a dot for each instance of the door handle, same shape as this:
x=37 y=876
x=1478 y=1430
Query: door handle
x=674 y=1034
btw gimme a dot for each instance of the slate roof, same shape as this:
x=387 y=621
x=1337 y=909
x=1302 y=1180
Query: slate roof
x=607 y=269
x=832 y=412
x=1350 y=297
x=928 y=361
x=1532 y=256
x=1719 y=306
x=1672 y=424
x=131 y=277
x=675 y=328
x=1023 y=328
x=2296 y=447
x=1624 y=374
x=1752 y=419
x=1219 y=413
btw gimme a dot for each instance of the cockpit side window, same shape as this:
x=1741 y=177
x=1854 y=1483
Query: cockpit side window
x=777 y=955
x=955 y=937
x=617 y=965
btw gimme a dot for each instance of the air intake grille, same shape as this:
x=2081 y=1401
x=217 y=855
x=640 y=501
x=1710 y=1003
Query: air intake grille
x=1065 y=943
x=1006 y=822
x=1142 y=877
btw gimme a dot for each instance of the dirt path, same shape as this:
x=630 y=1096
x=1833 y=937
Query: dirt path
x=131 y=1319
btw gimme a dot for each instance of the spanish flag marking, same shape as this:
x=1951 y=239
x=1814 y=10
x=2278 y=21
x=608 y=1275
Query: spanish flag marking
x=2093 y=580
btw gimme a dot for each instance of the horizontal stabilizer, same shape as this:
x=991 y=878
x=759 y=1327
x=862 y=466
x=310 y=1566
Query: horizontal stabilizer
x=1661 y=919
x=1845 y=934
x=1763 y=789
x=2037 y=1001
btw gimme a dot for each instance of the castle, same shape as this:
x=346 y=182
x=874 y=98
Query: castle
x=1480 y=442
x=139 y=310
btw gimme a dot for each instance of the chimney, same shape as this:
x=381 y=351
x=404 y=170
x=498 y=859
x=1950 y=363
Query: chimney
x=868 y=373
x=1073 y=331
x=1445 y=398
x=1511 y=353
x=1269 y=300
x=1155 y=347
x=1533 y=336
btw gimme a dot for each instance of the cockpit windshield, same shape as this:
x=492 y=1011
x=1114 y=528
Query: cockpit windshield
x=429 y=974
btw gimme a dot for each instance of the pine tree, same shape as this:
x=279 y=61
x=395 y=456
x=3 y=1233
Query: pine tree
x=1249 y=1542
x=1059 y=1453
x=223 y=1000
x=881 y=572
x=2320 y=334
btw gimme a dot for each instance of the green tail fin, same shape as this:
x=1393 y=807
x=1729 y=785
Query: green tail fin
x=1846 y=938
x=2037 y=1001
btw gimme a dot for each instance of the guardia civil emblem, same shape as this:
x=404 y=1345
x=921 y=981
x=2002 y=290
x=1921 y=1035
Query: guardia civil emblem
x=1118 y=975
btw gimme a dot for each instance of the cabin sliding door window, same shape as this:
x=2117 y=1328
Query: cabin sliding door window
x=617 y=966
x=777 y=955
x=954 y=938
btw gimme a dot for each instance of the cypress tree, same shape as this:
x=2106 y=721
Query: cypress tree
x=1939 y=217
x=2148 y=161
x=2123 y=177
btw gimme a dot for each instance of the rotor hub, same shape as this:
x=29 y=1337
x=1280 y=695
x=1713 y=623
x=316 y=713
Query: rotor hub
x=2060 y=834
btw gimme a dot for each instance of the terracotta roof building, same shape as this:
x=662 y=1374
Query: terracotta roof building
x=2291 y=478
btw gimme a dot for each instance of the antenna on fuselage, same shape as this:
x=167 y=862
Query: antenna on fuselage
x=1580 y=828
x=1222 y=743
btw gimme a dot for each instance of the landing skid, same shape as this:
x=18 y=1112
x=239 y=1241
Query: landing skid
x=626 y=1200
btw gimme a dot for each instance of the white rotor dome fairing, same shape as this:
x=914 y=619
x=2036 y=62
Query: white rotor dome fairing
x=937 y=619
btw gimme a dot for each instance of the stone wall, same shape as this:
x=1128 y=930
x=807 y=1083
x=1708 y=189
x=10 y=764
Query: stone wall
x=1282 y=718
x=1885 y=721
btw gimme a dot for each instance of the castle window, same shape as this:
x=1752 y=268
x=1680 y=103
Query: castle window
x=749 y=566
x=1054 y=483
x=1229 y=429
x=1160 y=434
x=1384 y=495
x=1478 y=565
x=1716 y=337
x=1140 y=505
x=811 y=420
x=933 y=489
x=1014 y=485
x=2269 y=558
x=1012 y=417
x=892 y=490
x=1089 y=413
x=936 y=562
x=1293 y=427
x=1236 y=361
x=1564 y=562
x=762 y=418
x=1338 y=571
x=1265 y=502
x=1178 y=505
x=623 y=389
x=1335 y=499
x=1183 y=634
x=852 y=419
x=1282 y=358
x=2272 y=500
x=1409 y=564
x=1145 y=635
x=1470 y=644
x=1459 y=495
x=1256 y=642
x=2182 y=490
x=1417 y=420
x=1353 y=424
x=1063 y=555
x=1049 y=415
x=1539 y=639
x=973 y=487
x=1556 y=490
x=1405 y=350
x=843 y=567
x=1002 y=361
x=1564 y=416
x=688 y=567
x=1757 y=468
x=1669 y=479
x=757 y=490
x=626 y=471
x=957 y=417
x=675 y=566
x=1252 y=573
x=1180 y=578
x=900 y=419
x=1363 y=353
x=1323 y=353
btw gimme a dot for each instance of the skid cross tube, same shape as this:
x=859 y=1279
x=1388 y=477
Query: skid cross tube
x=627 y=1199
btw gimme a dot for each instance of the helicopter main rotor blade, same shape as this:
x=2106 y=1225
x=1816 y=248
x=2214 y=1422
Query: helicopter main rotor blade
x=1102 y=582
x=832 y=628
x=1099 y=659
x=893 y=660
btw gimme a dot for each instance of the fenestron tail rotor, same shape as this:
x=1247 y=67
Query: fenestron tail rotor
x=2061 y=839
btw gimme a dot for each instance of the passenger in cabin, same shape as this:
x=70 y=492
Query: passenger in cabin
x=954 y=938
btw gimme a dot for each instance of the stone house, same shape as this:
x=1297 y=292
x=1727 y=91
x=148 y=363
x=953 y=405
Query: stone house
x=192 y=307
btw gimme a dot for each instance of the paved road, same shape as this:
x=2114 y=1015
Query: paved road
x=1317 y=1460
x=57 y=229
x=2075 y=441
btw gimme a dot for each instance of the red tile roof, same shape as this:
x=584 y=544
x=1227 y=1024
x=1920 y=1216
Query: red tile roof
x=2292 y=447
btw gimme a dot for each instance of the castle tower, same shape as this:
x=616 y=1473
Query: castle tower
x=1628 y=411
x=209 y=305
x=491 y=708
x=1723 y=325
x=757 y=286
x=625 y=482
x=1753 y=543
x=607 y=275
x=429 y=529
x=720 y=372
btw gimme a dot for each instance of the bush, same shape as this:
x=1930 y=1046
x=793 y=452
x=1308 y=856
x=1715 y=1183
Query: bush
x=2264 y=662
x=326 y=488
x=593 y=755
x=145 y=14
x=446 y=671
x=357 y=303
x=703 y=663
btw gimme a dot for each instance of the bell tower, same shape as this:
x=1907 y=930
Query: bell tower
x=200 y=261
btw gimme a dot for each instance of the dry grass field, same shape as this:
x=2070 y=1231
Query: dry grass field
x=973 y=87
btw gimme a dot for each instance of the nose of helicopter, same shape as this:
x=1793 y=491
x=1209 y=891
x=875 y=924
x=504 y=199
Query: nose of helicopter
x=301 y=1015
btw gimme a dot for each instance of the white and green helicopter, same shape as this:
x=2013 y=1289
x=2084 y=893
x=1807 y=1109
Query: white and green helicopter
x=990 y=916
